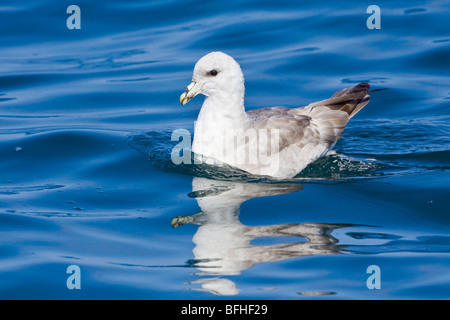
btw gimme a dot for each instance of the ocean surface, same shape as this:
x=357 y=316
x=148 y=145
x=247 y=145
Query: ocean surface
x=86 y=177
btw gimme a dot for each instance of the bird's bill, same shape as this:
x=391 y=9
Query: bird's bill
x=191 y=91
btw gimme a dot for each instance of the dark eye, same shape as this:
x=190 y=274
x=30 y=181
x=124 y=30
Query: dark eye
x=213 y=72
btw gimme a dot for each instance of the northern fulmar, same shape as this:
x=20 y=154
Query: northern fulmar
x=275 y=141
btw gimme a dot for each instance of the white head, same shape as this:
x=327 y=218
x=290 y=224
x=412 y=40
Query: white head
x=216 y=74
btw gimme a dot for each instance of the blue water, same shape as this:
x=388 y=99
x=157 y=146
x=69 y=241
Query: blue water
x=86 y=179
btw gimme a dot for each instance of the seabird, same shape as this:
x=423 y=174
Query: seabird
x=276 y=141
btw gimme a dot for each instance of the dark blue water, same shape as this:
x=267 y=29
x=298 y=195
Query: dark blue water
x=86 y=179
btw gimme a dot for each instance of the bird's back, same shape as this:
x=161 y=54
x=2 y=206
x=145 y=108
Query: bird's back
x=307 y=133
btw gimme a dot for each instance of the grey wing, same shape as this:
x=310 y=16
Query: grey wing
x=332 y=115
x=316 y=127
x=293 y=125
x=349 y=100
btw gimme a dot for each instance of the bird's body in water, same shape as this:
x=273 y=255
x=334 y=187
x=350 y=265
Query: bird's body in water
x=275 y=141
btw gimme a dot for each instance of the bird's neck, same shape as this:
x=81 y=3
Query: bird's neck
x=223 y=110
x=220 y=115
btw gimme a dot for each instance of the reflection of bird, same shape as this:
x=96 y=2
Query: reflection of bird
x=223 y=243
x=277 y=141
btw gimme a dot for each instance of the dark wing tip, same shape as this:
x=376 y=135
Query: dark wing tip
x=360 y=87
